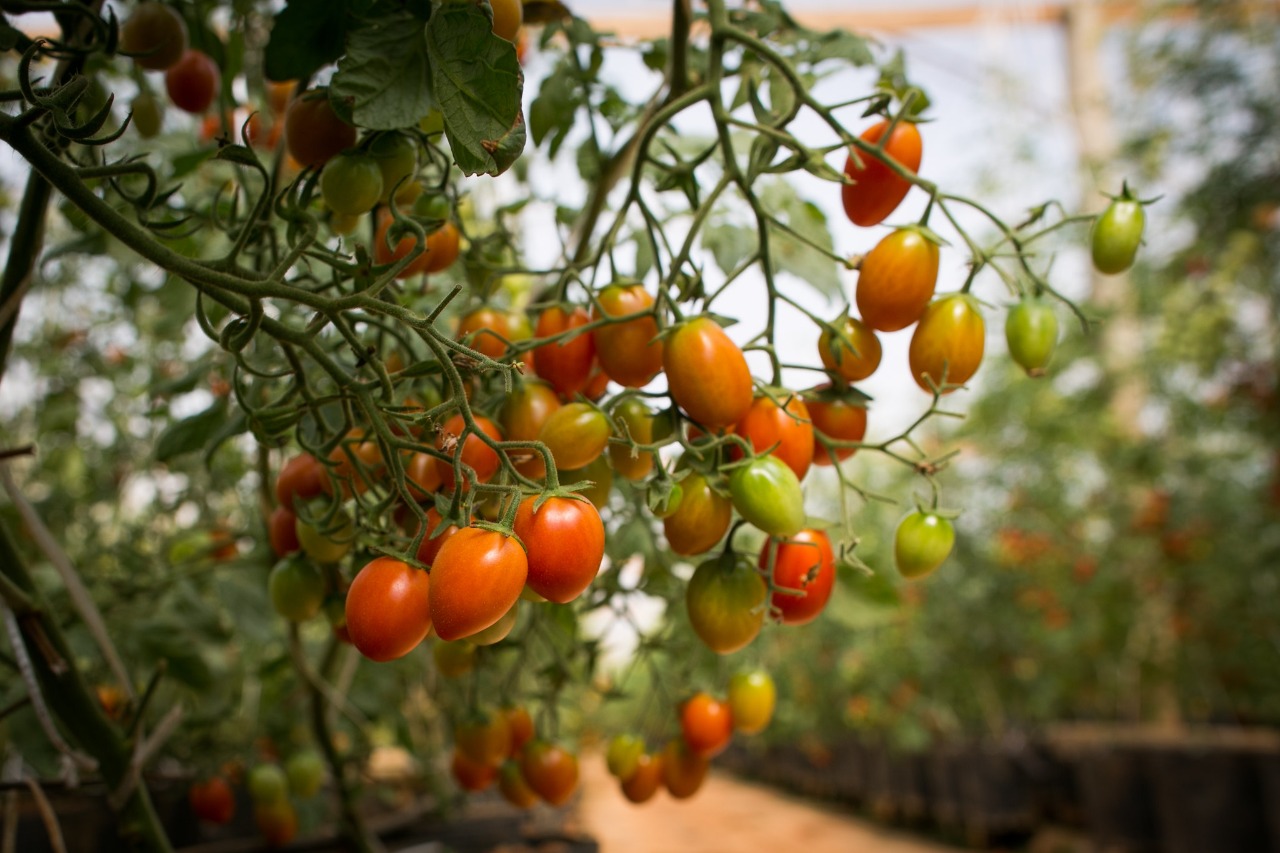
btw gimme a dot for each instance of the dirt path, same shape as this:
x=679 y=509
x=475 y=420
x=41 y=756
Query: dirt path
x=728 y=816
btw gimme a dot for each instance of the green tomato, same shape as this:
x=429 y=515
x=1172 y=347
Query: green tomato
x=767 y=493
x=752 y=698
x=1031 y=330
x=601 y=477
x=434 y=206
x=1117 y=233
x=297 y=589
x=922 y=543
x=623 y=755
x=328 y=546
x=351 y=183
x=432 y=122
x=148 y=115
x=725 y=598
x=397 y=159
x=268 y=784
x=305 y=771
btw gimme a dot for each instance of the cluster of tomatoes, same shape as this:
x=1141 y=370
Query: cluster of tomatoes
x=271 y=788
x=501 y=745
x=707 y=724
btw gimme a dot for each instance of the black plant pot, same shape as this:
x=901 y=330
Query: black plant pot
x=1207 y=798
x=1117 y=807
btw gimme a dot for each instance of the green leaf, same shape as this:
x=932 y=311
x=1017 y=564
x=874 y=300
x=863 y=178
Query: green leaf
x=191 y=434
x=382 y=82
x=305 y=36
x=729 y=244
x=478 y=85
x=792 y=255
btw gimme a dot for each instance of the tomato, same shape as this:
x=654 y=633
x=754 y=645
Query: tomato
x=383 y=254
x=623 y=755
x=351 y=183
x=508 y=15
x=297 y=589
x=876 y=190
x=487 y=331
x=155 y=35
x=854 y=353
x=148 y=115
x=330 y=544
x=476 y=578
x=700 y=520
x=513 y=787
x=804 y=572
x=498 y=631
x=470 y=775
x=472 y=453
x=222 y=545
x=947 y=345
x=634 y=423
x=432 y=542
x=683 y=771
x=305 y=771
x=597 y=383
x=313 y=132
x=283 y=532
x=357 y=463
x=454 y=659
x=1031 y=330
x=192 y=82
x=787 y=429
x=725 y=600
x=564 y=538
x=442 y=248
x=768 y=495
x=523 y=413
x=550 y=770
x=922 y=543
x=706 y=724
x=629 y=351
x=397 y=158
x=599 y=474
x=897 y=280
x=483 y=737
x=278 y=822
x=641 y=785
x=422 y=477
x=388 y=609
x=1117 y=234
x=212 y=800
x=752 y=697
x=566 y=364
x=707 y=374
x=520 y=725
x=839 y=420
x=267 y=784
x=279 y=94
x=576 y=434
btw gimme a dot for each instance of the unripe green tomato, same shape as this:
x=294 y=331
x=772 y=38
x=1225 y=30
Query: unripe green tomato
x=673 y=503
x=351 y=183
x=268 y=784
x=434 y=206
x=767 y=493
x=1031 y=330
x=297 y=589
x=623 y=755
x=148 y=115
x=752 y=698
x=306 y=772
x=328 y=546
x=922 y=543
x=1117 y=233
x=397 y=159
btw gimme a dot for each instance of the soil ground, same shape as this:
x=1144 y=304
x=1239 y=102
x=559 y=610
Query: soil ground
x=729 y=815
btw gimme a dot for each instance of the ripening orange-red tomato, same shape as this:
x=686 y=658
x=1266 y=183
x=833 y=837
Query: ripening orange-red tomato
x=876 y=190
x=947 y=345
x=707 y=374
x=388 y=609
x=472 y=452
x=629 y=352
x=302 y=477
x=854 y=353
x=483 y=737
x=841 y=420
x=313 y=132
x=706 y=725
x=565 y=542
x=551 y=771
x=475 y=580
x=804 y=572
x=470 y=775
x=683 y=770
x=787 y=429
x=566 y=365
x=645 y=780
x=897 y=279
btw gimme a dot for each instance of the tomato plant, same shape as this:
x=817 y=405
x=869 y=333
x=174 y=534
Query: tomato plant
x=212 y=800
x=313 y=132
x=483 y=737
x=470 y=452
x=297 y=589
x=785 y=431
x=1031 y=330
x=351 y=183
x=305 y=771
x=634 y=422
x=683 y=770
x=645 y=780
x=565 y=364
x=576 y=434
x=471 y=775
x=701 y=518
x=767 y=493
x=875 y=190
x=513 y=787
x=388 y=609
x=853 y=353
x=839 y=418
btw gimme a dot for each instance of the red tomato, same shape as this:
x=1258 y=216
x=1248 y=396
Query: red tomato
x=520 y=725
x=212 y=800
x=523 y=413
x=565 y=541
x=443 y=246
x=422 y=477
x=388 y=609
x=313 y=133
x=853 y=354
x=644 y=782
x=876 y=190
x=383 y=254
x=551 y=771
x=475 y=579
x=487 y=331
x=839 y=420
x=283 y=532
x=766 y=424
x=804 y=571
x=700 y=520
x=470 y=775
x=483 y=738
x=192 y=82
x=431 y=545
x=897 y=280
x=706 y=725
x=947 y=344
x=683 y=771
x=707 y=374
x=472 y=453
x=357 y=463
x=301 y=477
x=566 y=365
x=629 y=352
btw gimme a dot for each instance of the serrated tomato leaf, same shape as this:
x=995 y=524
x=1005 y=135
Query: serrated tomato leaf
x=382 y=82
x=305 y=36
